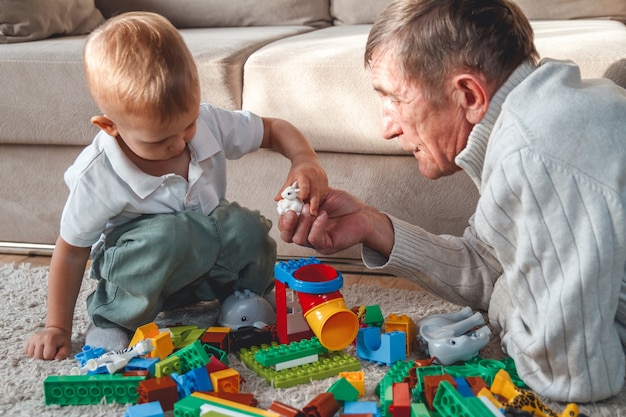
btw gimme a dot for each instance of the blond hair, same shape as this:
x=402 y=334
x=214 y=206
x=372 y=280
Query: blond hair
x=138 y=63
x=434 y=38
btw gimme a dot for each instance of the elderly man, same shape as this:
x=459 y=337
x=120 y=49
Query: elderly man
x=545 y=252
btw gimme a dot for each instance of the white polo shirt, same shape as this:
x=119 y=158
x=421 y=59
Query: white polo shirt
x=107 y=190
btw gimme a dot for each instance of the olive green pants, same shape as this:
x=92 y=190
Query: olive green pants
x=163 y=261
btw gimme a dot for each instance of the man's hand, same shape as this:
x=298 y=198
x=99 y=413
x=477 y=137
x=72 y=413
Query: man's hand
x=343 y=221
x=51 y=343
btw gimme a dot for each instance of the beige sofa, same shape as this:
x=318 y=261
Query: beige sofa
x=300 y=60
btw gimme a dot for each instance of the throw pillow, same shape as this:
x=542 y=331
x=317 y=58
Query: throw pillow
x=30 y=20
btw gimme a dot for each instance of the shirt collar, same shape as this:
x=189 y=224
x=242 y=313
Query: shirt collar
x=472 y=158
x=203 y=145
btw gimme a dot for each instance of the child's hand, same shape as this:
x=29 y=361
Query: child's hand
x=52 y=343
x=312 y=183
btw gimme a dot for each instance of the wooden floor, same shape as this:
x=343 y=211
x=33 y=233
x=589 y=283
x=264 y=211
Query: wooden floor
x=352 y=273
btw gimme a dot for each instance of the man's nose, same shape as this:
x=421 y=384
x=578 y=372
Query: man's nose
x=390 y=128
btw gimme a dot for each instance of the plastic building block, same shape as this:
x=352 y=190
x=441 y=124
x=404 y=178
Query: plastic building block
x=147 y=331
x=194 y=380
x=402 y=323
x=89 y=352
x=188 y=406
x=343 y=391
x=163 y=345
x=244 y=398
x=192 y=356
x=453 y=337
x=151 y=409
x=167 y=366
x=361 y=407
x=449 y=403
x=431 y=384
x=401 y=404
x=276 y=353
x=329 y=364
x=217 y=337
x=212 y=351
x=495 y=411
x=385 y=348
x=476 y=383
x=136 y=372
x=419 y=410
x=248 y=337
x=285 y=410
x=290 y=323
x=164 y=390
x=463 y=387
x=323 y=405
x=226 y=380
x=357 y=379
x=525 y=400
x=90 y=389
x=142 y=364
x=212 y=403
x=373 y=316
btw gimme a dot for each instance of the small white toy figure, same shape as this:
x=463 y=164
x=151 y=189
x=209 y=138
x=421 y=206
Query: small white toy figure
x=115 y=360
x=290 y=200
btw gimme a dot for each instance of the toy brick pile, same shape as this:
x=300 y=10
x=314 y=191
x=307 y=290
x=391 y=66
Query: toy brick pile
x=185 y=370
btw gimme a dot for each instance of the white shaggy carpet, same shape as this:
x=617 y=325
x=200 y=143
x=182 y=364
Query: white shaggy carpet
x=23 y=309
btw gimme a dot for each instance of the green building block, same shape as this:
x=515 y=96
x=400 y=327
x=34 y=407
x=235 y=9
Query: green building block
x=91 y=389
x=192 y=356
x=419 y=410
x=450 y=403
x=218 y=353
x=167 y=366
x=373 y=316
x=329 y=364
x=188 y=406
x=278 y=353
x=343 y=391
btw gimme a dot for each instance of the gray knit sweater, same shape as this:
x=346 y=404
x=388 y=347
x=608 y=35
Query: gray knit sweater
x=545 y=251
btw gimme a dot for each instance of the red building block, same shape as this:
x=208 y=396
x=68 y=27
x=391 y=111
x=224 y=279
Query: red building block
x=161 y=389
x=401 y=403
x=431 y=383
x=324 y=405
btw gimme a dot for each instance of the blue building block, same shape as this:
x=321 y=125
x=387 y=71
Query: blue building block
x=284 y=272
x=361 y=407
x=386 y=348
x=463 y=387
x=151 y=409
x=89 y=352
x=195 y=380
x=142 y=364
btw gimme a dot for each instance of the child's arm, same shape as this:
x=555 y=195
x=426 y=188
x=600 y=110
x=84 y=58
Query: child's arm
x=285 y=138
x=67 y=268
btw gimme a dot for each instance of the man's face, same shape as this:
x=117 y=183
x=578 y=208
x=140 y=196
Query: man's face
x=434 y=132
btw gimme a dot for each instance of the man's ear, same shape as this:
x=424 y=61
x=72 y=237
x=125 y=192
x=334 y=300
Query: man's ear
x=473 y=95
x=106 y=124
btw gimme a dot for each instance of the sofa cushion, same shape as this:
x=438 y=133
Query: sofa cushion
x=351 y=12
x=573 y=9
x=219 y=13
x=356 y=12
x=46 y=101
x=30 y=20
x=597 y=46
x=284 y=79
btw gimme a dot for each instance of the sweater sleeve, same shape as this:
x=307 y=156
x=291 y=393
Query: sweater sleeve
x=559 y=235
x=461 y=270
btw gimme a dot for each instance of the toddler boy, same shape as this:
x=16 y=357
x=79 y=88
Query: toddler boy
x=146 y=198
